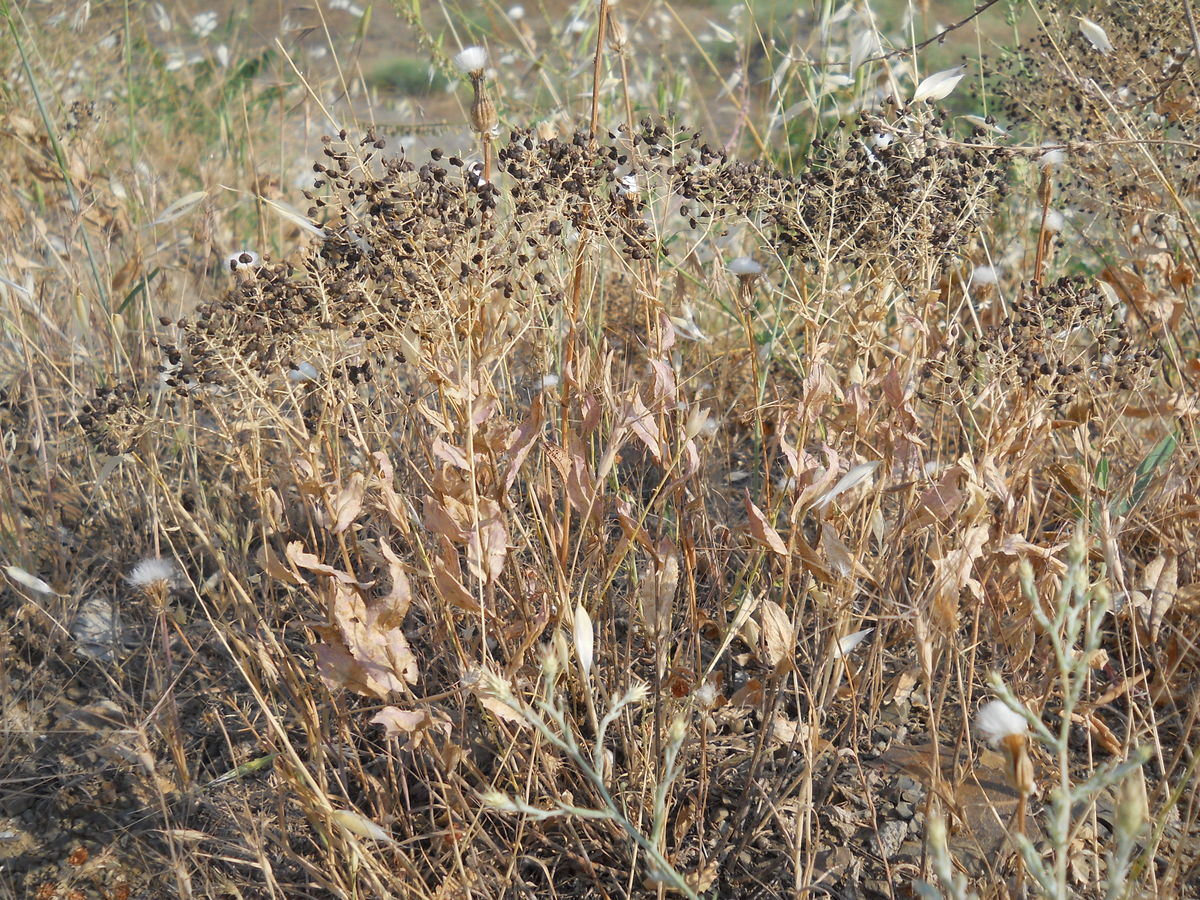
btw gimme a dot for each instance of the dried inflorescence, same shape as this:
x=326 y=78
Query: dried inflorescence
x=894 y=188
x=1061 y=341
x=1139 y=82
x=410 y=252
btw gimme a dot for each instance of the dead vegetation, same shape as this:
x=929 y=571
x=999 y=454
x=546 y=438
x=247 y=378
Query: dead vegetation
x=602 y=511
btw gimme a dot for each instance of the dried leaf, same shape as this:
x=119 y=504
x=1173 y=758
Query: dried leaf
x=447 y=580
x=1160 y=582
x=386 y=663
x=853 y=478
x=778 y=635
x=401 y=722
x=641 y=422
x=416 y=725
x=750 y=694
x=487 y=543
x=810 y=560
x=340 y=670
x=656 y=591
x=815 y=481
x=952 y=573
x=302 y=559
x=663 y=386
x=841 y=560
x=523 y=440
x=449 y=453
x=272 y=565
x=761 y=531
x=348 y=503
x=441 y=521
x=941 y=501
x=503 y=712
x=396 y=601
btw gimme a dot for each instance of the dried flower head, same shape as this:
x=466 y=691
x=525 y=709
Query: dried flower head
x=156 y=579
x=471 y=61
x=483 y=112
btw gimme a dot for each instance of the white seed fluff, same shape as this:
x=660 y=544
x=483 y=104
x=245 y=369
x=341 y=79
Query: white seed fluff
x=1051 y=158
x=471 y=60
x=743 y=266
x=985 y=275
x=153 y=570
x=995 y=721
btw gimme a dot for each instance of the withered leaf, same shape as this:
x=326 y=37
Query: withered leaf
x=348 y=503
x=641 y=422
x=777 y=632
x=487 y=543
x=761 y=531
x=302 y=559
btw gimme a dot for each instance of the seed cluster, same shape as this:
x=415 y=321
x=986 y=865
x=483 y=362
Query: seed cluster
x=1060 y=341
x=404 y=248
x=1061 y=88
x=894 y=187
x=418 y=249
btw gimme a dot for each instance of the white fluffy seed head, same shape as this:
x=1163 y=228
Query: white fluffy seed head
x=995 y=722
x=744 y=266
x=153 y=572
x=985 y=275
x=471 y=60
x=1055 y=156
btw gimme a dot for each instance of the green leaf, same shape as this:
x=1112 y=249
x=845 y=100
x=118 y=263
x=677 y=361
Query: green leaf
x=138 y=289
x=1157 y=458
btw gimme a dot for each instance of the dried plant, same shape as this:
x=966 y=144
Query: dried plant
x=598 y=504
